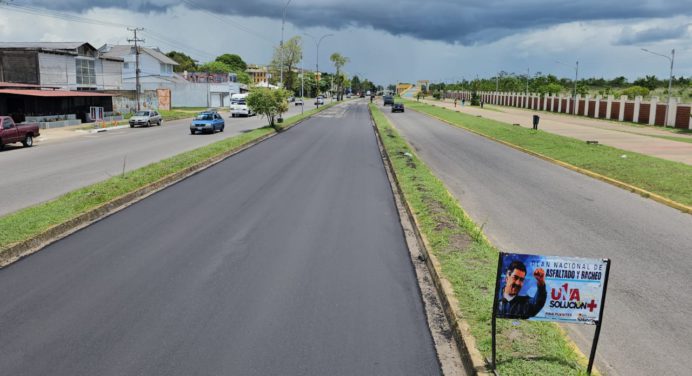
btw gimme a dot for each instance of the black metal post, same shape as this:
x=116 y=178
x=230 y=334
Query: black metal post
x=592 y=357
x=497 y=291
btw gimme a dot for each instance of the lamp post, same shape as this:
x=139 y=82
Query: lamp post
x=576 y=78
x=317 y=59
x=281 y=46
x=670 y=78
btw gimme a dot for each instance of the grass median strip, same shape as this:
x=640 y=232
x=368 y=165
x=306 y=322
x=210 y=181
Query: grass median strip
x=469 y=262
x=29 y=222
x=672 y=180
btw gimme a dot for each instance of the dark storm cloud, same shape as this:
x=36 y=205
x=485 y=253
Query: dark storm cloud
x=630 y=37
x=453 y=21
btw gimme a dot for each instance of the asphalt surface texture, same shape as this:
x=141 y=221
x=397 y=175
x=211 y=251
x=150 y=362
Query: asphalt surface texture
x=54 y=167
x=285 y=259
x=527 y=205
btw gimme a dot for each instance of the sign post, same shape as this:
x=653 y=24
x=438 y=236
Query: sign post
x=550 y=288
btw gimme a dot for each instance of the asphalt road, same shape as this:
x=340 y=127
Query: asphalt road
x=528 y=205
x=54 y=167
x=286 y=259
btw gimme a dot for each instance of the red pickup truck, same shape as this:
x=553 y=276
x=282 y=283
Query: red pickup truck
x=11 y=132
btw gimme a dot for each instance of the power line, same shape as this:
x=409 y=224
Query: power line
x=191 y=4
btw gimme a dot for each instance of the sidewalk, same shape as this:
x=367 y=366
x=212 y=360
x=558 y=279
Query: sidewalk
x=639 y=140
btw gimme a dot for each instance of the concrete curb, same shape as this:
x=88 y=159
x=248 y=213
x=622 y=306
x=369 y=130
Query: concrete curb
x=642 y=192
x=37 y=242
x=466 y=343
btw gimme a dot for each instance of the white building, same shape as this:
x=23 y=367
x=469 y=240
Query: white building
x=156 y=69
x=64 y=65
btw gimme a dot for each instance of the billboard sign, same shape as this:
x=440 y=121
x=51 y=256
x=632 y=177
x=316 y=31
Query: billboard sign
x=550 y=288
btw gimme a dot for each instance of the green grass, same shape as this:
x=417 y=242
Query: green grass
x=669 y=179
x=469 y=262
x=26 y=223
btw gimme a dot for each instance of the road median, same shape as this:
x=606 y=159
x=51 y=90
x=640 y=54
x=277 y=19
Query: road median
x=463 y=263
x=29 y=230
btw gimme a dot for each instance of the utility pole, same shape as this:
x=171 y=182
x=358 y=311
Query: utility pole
x=281 y=46
x=528 y=74
x=576 y=78
x=317 y=61
x=670 y=79
x=137 y=70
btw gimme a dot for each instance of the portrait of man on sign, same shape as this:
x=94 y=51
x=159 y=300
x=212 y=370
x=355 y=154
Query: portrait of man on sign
x=511 y=303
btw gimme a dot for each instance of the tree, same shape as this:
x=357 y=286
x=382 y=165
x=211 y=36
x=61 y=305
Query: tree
x=339 y=61
x=634 y=91
x=235 y=62
x=215 y=67
x=355 y=84
x=287 y=56
x=185 y=62
x=269 y=103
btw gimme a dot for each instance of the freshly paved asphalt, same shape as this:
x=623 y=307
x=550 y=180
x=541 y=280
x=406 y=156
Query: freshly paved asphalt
x=54 y=167
x=528 y=205
x=286 y=259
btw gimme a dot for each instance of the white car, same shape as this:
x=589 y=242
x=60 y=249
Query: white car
x=299 y=101
x=239 y=108
x=319 y=100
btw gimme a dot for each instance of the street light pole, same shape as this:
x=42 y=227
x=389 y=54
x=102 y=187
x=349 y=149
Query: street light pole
x=576 y=78
x=670 y=78
x=281 y=46
x=317 y=61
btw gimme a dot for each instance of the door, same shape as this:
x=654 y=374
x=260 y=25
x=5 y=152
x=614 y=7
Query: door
x=9 y=131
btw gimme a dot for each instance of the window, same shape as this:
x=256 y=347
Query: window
x=126 y=65
x=166 y=68
x=86 y=72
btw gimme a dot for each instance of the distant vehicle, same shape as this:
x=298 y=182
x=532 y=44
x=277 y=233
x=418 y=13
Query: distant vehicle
x=362 y=95
x=299 y=101
x=388 y=99
x=11 y=132
x=207 y=122
x=367 y=93
x=319 y=100
x=348 y=95
x=291 y=99
x=145 y=118
x=398 y=107
x=239 y=106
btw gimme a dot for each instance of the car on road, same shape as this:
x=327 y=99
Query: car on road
x=207 y=122
x=11 y=132
x=319 y=100
x=398 y=107
x=239 y=106
x=388 y=100
x=299 y=102
x=145 y=118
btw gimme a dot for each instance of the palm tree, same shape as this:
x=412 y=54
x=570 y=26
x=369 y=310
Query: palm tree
x=339 y=61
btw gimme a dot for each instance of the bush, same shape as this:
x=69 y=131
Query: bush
x=634 y=91
x=268 y=102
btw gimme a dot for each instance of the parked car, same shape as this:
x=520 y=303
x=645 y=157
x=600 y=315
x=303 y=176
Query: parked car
x=398 y=107
x=319 y=100
x=207 y=122
x=239 y=106
x=145 y=118
x=299 y=101
x=11 y=132
x=388 y=100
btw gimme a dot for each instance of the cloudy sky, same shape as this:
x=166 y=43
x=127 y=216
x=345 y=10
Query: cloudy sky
x=387 y=41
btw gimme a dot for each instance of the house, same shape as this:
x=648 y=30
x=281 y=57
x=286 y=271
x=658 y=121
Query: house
x=159 y=82
x=258 y=73
x=65 y=65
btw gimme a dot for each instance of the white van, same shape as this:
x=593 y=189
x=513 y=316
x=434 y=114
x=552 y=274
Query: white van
x=239 y=105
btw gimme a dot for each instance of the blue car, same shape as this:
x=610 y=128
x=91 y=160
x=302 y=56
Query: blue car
x=207 y=122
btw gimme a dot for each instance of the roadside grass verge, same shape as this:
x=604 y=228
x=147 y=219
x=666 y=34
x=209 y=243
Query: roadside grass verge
x=469 y=262
x=672 y=180
x=26 y=223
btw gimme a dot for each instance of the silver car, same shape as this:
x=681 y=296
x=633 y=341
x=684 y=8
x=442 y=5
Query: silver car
x=146 y=118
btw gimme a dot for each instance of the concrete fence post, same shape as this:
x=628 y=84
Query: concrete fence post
x=672 y=111
x=621 y=115
x=559 y=103
x=652 y=110
x=637 y=108
x=597 y=109
x=609 y=106
x=587 y=99
x=575 y=108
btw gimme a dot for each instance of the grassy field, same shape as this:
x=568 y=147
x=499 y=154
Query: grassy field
x=25 y=223
x=669 y=179
x=469 y=262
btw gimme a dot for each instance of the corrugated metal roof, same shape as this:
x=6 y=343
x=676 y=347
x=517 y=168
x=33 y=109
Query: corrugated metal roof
x=54 y=93
x=44 y=45
x=126 y=50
